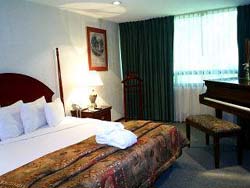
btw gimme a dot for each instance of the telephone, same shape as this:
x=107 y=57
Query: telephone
x=76 y=107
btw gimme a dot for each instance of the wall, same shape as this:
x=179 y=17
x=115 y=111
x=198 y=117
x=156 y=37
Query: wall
x=29 y=34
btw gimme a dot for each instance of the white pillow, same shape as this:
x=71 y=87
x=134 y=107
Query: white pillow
x=32 y=115
x=10 y=121
x=54 y=112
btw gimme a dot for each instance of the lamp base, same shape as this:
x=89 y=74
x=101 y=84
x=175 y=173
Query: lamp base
x=92 y=98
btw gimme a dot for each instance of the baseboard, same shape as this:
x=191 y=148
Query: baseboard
x=120 y=119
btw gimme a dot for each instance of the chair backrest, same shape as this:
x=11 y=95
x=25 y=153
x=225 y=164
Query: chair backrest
x=132 y=93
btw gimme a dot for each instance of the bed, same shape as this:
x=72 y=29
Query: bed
x=68 y=156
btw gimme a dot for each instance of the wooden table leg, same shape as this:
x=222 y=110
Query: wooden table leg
x=207 y=139
x=218 y=113
x=239 y=149
x=217 y=151
x=188 y=133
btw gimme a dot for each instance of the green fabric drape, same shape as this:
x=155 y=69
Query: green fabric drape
x=243 y=29
x=147 y=49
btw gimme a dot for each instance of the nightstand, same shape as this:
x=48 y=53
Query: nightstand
x=103 y=113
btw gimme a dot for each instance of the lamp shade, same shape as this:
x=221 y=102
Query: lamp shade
x=84 y=81
x=92 y=78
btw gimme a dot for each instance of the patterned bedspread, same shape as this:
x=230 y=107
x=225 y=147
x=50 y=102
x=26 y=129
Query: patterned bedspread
x=91 y=165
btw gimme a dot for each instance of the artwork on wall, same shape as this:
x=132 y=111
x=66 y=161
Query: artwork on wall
x=97 y=49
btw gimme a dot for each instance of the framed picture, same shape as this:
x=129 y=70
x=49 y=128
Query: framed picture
x=97 y=49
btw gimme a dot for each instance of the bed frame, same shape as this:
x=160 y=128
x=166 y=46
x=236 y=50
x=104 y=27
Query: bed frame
x=16 y=87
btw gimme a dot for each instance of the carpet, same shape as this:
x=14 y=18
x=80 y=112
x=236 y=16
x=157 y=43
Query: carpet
x=195 y=168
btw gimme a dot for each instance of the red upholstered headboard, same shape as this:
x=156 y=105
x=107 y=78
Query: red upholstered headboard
x=14 y=87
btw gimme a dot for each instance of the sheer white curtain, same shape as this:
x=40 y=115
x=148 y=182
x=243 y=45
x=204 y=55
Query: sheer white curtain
x=205 y=47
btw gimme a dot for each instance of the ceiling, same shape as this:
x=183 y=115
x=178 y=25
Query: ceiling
x=133 y=10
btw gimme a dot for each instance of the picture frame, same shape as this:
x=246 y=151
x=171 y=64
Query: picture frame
x=97 y=49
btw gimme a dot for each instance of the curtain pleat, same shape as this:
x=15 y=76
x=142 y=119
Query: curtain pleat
x=147 y=49
x=243 y=30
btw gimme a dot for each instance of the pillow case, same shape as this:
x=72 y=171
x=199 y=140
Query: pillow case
x=10 y=121
x=32 y=115
x=54 y=112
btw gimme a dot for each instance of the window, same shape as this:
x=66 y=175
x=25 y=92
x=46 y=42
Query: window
x=205 y=47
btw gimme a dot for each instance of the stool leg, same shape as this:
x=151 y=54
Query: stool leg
x=188 y=133
x=207 y=139
x=216 y=151
x=239 y=149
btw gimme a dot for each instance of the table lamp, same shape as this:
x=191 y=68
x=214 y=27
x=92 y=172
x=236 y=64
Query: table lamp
x=93 y=81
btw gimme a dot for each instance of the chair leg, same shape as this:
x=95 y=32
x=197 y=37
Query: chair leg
x=239 y=149
x=188 y=133
x=207 y=139
x=217 y=151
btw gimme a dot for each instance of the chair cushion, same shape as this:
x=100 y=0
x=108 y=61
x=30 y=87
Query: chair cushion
x=212 y=123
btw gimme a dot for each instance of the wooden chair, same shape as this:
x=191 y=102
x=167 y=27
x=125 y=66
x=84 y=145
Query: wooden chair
x=132 y=85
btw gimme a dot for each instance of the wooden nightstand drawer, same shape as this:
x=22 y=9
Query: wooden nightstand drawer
x=103 y=114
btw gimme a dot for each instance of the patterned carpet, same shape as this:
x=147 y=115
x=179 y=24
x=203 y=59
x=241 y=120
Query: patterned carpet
x=195 y=168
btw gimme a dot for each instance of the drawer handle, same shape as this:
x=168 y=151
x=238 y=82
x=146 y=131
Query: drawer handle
x=103 y=117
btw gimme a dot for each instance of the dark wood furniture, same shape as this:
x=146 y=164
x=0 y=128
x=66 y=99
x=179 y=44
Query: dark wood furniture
x=132 y=93
x=230 y=95
x=103 y=113
x=59 y=75
x=16 y=87
x=218 y=129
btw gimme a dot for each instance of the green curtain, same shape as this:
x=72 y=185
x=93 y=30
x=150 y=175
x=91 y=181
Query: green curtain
x=243 y=28
x=147 y=49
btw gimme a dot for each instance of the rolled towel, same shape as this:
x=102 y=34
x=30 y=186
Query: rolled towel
x=120 y=138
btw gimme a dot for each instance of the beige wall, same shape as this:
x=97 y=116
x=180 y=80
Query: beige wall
x=29 y=34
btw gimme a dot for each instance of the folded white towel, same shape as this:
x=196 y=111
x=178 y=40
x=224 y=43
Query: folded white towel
x=120 y=138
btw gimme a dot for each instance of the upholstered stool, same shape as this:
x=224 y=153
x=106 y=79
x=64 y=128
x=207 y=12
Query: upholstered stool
x=217 y=128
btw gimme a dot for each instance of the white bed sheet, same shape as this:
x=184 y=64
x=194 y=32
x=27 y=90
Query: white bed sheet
x=26 y=148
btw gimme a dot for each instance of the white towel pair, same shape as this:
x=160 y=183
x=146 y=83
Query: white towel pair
x=114 y=134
